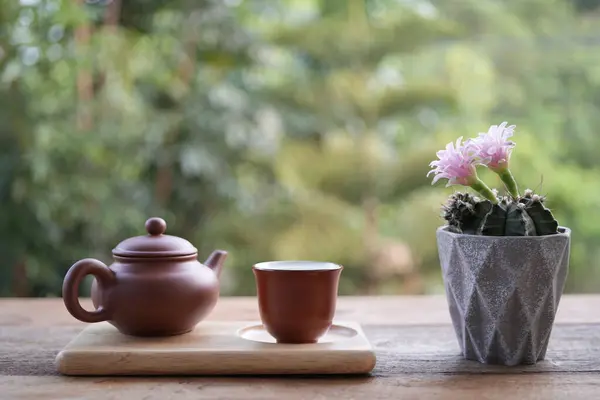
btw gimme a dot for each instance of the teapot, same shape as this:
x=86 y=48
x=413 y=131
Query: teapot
x=155 y=287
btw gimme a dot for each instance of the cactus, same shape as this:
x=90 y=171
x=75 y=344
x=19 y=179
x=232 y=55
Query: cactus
x=466 y=213
x=521 y=216
x=494 y=215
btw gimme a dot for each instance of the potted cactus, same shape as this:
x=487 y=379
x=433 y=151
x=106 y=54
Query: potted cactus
x=504 y=258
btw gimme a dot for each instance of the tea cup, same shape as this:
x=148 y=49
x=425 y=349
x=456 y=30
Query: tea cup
x=297 y=299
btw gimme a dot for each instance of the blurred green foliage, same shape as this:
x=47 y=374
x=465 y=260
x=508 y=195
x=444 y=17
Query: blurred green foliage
x=291 y=129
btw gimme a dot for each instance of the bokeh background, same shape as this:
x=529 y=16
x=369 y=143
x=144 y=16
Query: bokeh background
x=296 y=129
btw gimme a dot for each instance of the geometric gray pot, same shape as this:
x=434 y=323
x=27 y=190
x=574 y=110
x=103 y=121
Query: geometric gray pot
x=503 y=292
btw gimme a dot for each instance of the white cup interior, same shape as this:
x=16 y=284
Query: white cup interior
x=297 y=266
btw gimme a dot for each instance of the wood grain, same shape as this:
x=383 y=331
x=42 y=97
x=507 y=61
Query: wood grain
x=214 y=348
x=435 y=350
x=417 y=358
x=405 y=387
x=381 y=310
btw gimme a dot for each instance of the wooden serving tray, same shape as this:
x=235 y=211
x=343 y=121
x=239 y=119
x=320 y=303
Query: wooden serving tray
x=215 y=348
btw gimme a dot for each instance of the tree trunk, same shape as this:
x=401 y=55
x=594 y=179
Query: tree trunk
x=113 y=14
x=370 y=240
x=85 y=88
x=19 y=282
x=164 y=178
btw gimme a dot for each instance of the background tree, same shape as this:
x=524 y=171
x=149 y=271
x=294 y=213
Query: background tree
x=290 y=129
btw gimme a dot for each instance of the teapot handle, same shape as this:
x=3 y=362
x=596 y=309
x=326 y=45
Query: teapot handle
x=75 y=275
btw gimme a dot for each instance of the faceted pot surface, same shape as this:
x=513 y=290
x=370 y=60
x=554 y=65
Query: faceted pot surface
x=503 y=292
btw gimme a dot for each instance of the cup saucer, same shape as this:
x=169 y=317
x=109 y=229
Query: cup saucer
x=258 y=333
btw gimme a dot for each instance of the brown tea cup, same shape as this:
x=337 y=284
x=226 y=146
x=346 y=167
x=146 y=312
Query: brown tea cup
x=297 y=299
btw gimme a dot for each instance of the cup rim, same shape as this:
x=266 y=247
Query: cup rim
x=272 y=266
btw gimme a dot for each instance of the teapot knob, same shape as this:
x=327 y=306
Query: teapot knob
x=156 y=226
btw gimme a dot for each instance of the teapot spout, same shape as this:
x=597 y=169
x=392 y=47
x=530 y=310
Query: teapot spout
x=215 y=261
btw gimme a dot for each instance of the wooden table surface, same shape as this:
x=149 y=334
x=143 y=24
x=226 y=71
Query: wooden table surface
x=417 y=358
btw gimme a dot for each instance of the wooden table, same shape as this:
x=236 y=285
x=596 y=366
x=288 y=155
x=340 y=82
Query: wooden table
x=417 y=358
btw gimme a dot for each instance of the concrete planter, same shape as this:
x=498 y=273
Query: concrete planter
x=503 y=292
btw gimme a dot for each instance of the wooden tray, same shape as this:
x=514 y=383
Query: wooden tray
x=215 y=348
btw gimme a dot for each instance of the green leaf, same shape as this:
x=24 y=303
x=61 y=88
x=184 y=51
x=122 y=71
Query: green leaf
x=495 y=223
x=529 y=225
x=509 y=220
x=474 y=224
x=408 y=99
x=545 y=223
x=515 y=222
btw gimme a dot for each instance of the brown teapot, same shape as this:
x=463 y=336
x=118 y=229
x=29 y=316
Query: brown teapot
x=154 y=287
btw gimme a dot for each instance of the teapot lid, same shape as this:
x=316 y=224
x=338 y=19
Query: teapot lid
x=155 y=243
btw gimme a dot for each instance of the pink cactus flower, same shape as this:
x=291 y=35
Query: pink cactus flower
x=494 y=148
x=456 y=163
